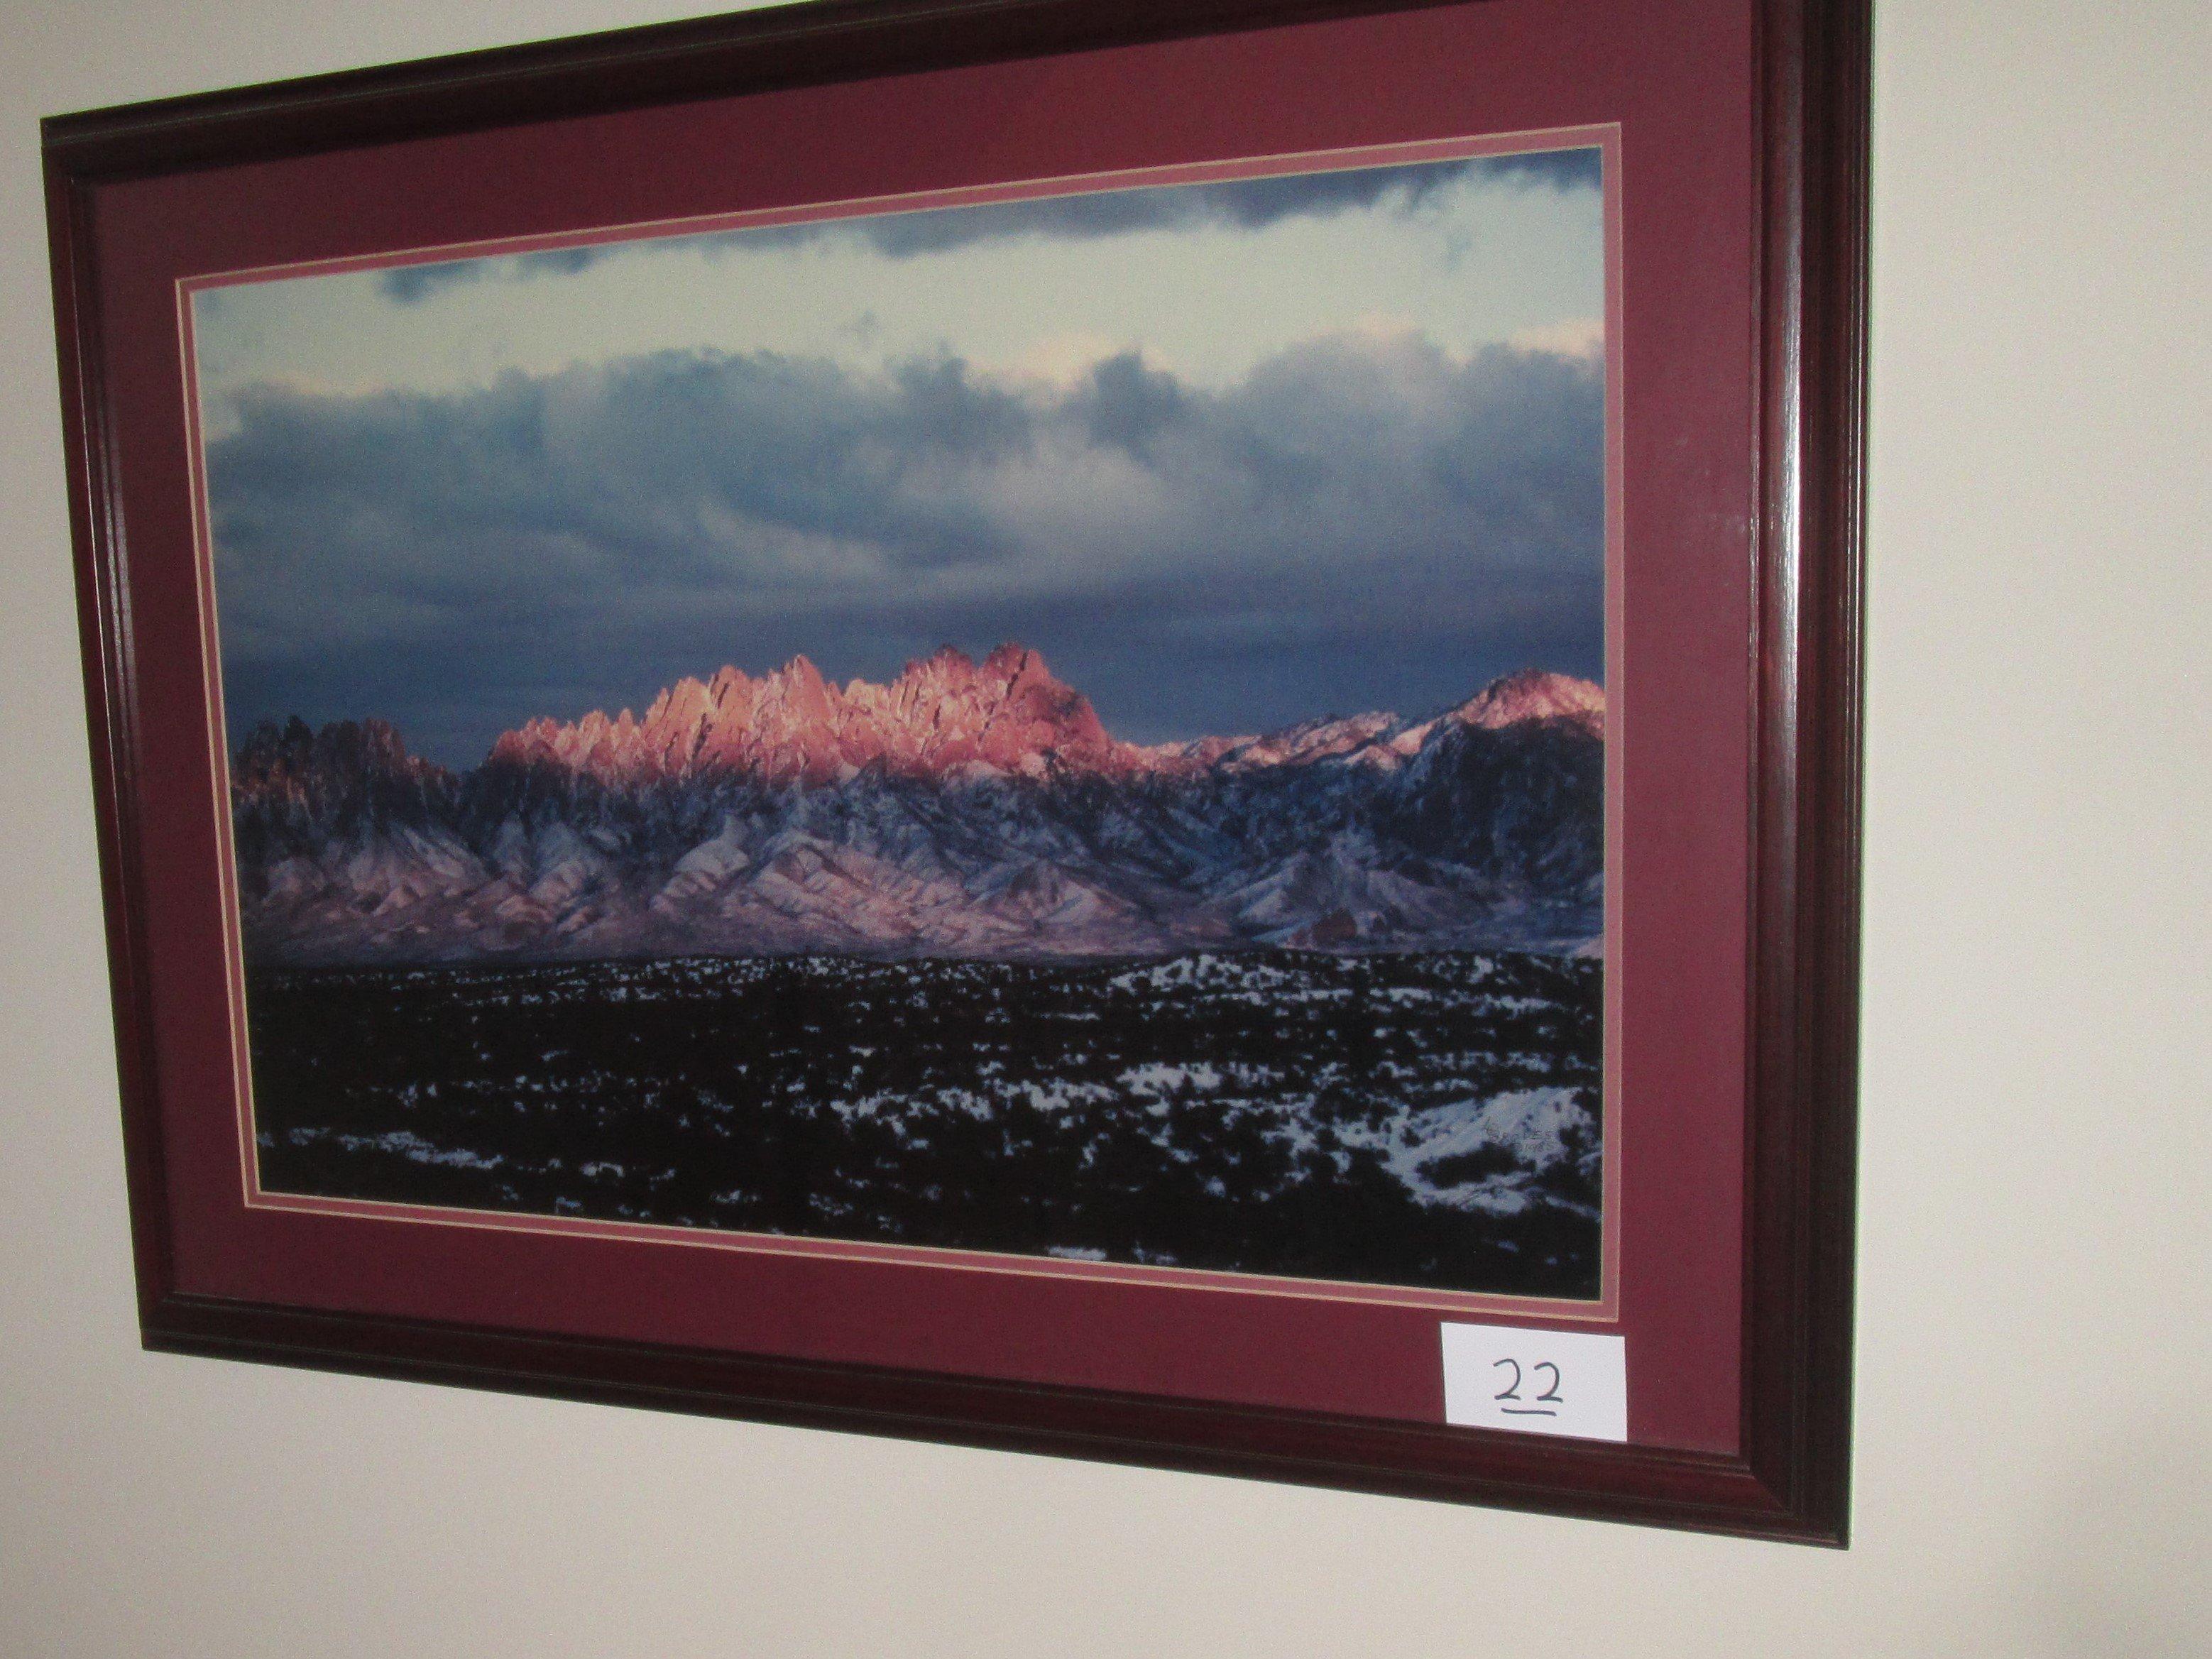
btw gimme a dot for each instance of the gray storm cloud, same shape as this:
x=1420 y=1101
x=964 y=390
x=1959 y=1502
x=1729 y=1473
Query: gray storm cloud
x=1364 y=520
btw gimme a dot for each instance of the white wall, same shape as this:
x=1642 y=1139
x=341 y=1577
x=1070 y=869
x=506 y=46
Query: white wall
x=2035 y=1445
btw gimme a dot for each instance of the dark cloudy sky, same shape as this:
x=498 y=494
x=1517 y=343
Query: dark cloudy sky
x=1229 y=455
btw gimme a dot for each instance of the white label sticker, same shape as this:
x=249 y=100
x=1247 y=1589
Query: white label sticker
x=1506 y=1376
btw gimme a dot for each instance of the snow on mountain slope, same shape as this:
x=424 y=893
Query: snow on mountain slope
x=965 y=809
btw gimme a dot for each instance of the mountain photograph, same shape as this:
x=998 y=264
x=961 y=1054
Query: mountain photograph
x=1201 y=956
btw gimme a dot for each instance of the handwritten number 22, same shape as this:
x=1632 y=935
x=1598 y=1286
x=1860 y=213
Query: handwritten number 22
x=1512 y=1390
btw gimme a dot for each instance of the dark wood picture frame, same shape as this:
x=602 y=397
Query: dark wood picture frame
x=1789 y=1478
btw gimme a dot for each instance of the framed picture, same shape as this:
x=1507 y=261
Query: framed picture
x=1118 y=729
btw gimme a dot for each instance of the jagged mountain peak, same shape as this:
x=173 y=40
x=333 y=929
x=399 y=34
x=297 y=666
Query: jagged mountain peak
x=942 y=712
x=1535 y=694
x=1009 y=668
x=296 y=756
x=965 y=807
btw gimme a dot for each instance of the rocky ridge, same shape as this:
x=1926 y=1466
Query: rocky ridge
x=964 y=809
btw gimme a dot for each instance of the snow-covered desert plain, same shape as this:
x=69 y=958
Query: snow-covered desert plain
x=941 y=963
x=1427 y=1118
